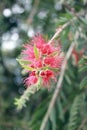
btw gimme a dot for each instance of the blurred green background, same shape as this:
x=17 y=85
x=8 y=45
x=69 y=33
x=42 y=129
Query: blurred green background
x=20 y=20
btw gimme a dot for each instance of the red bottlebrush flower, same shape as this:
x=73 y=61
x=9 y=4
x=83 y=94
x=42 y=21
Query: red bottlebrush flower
x=50 y=61
x=28 y=52
x=33 y=73
x=47 y=75
x=47 y=49
x=54 y=62
x=38 y=41
x=37 y=63
x=43 y=60
x=31 y=80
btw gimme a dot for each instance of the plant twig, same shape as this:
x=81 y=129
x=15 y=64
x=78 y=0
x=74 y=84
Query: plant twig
x=59 y=30
x=58 y=87
x=33 y=11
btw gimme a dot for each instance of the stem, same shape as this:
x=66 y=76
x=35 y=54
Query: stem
x=59 y=30
x=33 y=11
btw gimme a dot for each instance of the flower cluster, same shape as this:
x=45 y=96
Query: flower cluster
x=41 y=60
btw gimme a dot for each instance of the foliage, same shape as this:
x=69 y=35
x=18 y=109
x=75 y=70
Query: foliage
x=16 y=28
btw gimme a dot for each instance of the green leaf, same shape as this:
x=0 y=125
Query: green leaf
x=36 y=52
x=53 y=118
x=23 y=62
x=63 y=96
x=48 y=125
x=54 y=53
x=39 y=83
x=28 y=67
x=39 y=112
x=47 y=67
x=85 y=57
x=68 y=79
x=60 y=109
x=74 y=113
x=83 y=83
x=54 y=69
x=81 y=61
x=64 y=18
x=84 y=68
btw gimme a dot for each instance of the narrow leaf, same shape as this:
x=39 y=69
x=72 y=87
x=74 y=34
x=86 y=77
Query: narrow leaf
x=84 y=68
x=23 y=62
x=36 y=52
x=28 y=67
x=53 y=118
x=83 y=83
x=54 y=53
x=54 y=69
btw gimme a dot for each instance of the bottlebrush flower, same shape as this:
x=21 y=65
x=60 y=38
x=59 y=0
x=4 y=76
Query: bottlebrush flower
x=31 y=80
x=41 y=60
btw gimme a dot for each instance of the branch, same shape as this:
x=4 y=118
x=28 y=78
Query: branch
x=58 y=87
x=59 y=30
x=33 y=11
